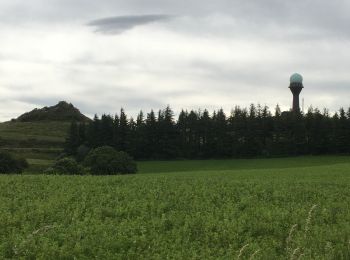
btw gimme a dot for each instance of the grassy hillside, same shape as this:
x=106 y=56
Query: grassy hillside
x=39 y=135
x=33 y=140
x=51 y=130
x=295 y=208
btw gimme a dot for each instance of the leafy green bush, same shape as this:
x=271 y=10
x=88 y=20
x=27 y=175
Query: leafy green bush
x=82 y=152
x=106 y=160
x=67 y=166
x=10 y=164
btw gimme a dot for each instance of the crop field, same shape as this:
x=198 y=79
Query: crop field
x=294 y=208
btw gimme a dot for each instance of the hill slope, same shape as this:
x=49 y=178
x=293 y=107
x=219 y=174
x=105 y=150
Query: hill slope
x=39 y=135
x=63 y=111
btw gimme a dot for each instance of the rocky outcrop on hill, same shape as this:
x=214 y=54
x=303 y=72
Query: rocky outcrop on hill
x=63 y=111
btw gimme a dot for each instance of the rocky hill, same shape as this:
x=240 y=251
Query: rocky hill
x=63 y=111
x=39 y=135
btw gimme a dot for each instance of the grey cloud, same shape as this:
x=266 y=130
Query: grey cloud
x=312 y=16
x=314 y=32
x=39 y=102
x=118 y=24
x=113 y=105
x=114 y=97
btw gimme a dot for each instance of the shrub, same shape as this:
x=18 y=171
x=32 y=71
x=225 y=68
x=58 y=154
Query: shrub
x=106 y=160
x=10 y=164
x=82 y=152
x=49 y=171
x=65 y=166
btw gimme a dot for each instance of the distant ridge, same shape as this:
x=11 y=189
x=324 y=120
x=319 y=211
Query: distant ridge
x=63 y=111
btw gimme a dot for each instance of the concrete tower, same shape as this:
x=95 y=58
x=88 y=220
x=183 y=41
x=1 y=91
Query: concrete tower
x=296 y=85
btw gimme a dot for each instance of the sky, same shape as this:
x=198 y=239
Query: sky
x=189 y=54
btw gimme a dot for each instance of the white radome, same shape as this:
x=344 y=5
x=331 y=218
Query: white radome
x=296 y=78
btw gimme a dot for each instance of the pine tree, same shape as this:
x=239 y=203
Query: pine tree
x=182 y=128
x=72 y=141
x=342 y=134
x=205 y=135
x=93 y=133
x=168 y=138
x=139 y=138
x=116 y=138
x=82 y=133
x=193 y=136
x=151 y=134
x=106 y=130
x=253 y=145
x=220 y=132
x=196 y=134
x=123 y=132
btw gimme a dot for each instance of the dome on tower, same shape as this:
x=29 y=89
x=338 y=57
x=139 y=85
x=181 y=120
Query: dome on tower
x=296 y=78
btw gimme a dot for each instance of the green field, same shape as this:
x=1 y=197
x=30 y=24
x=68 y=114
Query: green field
x=55 y=131
x=238 y=164
x=33 y=140
x=231 y=209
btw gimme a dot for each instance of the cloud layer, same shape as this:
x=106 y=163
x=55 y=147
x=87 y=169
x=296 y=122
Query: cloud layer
x=103 y=55
x=119 y=24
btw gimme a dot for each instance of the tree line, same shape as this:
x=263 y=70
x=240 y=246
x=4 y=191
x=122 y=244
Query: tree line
x=246 y=132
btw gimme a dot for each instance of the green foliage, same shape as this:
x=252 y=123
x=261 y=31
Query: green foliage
x=106 y=160
x=245 y=133
x=9 y=164
x=199 y=214
x=73 y=139
x=65 y=166
x=82 y=152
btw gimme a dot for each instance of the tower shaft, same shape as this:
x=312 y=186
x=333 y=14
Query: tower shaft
x=296 y=106
x=296 y=88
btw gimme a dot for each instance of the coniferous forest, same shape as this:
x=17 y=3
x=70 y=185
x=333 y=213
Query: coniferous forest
x=245 y=133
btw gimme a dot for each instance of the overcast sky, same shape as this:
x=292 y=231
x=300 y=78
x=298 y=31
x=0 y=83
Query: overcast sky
x=137 y=54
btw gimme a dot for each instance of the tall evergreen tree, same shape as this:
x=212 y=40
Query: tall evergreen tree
x=123 y=139
x=73 y=140
x=139 y=138
x=82 y=133
x=342 y=134
x=167 y=134
x=183 y=128
x=93 y=129
x=151 y=134
x=116 y=138
x=106 y=130
x=206 y=135
x=220 y=132
x=245 y=133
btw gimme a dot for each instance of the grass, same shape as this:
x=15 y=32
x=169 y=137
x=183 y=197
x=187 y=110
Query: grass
x=236 y=209
x=41 y=161
x=40 y=130
x=238 y=164
x=38 y=166
x=33 y=140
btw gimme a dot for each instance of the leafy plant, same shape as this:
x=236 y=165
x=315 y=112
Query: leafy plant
x=66 y=166
x=106 y=160
x=10 y=164
x=82 y=152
